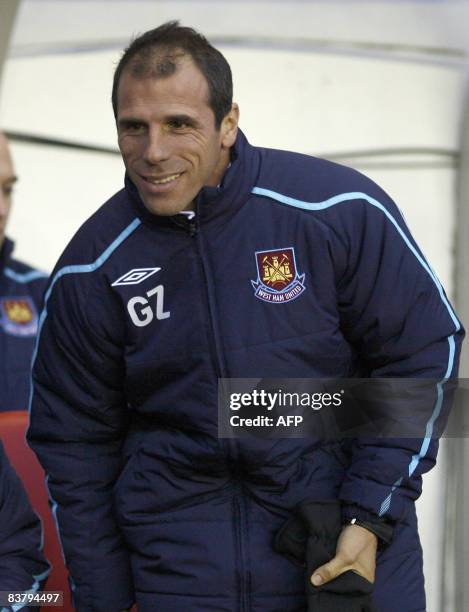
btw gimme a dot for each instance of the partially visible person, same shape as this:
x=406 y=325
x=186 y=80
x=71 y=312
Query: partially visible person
x=23 y=566
x=21 y=290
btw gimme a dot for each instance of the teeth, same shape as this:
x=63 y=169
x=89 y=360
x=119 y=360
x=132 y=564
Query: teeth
x=164 y=180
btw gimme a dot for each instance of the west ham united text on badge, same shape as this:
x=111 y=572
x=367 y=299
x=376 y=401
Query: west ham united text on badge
x=278 y=280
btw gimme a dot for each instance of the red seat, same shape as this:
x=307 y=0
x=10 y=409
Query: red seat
x=13 y=427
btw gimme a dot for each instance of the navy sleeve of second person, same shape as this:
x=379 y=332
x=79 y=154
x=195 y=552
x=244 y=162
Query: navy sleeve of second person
x=23 y=566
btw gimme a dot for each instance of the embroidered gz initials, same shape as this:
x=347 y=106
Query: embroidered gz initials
x=140 y=310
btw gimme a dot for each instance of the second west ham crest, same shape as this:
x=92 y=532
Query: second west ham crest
x=18 y=316
x=278 y=280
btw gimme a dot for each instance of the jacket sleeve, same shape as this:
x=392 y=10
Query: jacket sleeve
x=77 y=423
x=395 y=314
x=23 y=566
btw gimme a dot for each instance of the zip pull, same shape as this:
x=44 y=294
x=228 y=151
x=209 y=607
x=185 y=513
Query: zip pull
x=191 y=218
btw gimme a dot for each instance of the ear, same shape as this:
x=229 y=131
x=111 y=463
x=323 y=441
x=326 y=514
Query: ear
x=229 y=127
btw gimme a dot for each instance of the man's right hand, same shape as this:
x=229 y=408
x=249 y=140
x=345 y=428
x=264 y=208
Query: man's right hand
x=356 y=551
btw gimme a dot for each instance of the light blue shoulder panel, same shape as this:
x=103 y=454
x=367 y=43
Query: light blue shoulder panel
x=79 y=269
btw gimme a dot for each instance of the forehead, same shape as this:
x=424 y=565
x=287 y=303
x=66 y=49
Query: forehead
x=6 y=164
x=184 y=90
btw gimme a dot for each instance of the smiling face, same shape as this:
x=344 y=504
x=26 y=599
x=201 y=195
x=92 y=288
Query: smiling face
x=7 y=180
x=168 y=139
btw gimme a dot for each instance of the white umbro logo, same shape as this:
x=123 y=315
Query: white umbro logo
x=135 y=276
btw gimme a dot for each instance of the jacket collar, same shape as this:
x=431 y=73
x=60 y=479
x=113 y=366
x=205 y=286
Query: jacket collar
x=5 y=252
x=214 y=203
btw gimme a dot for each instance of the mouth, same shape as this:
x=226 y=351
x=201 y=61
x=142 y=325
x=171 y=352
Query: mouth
x=161 y=180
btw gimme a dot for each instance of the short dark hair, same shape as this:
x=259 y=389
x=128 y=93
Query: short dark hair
x=156 y=53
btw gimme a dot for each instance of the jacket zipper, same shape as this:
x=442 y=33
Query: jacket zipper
x=228 y=444
x=215 y=347
x=231 y=448
x=239 y=518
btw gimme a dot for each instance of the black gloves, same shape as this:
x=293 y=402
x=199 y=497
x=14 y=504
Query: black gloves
x=310 y=537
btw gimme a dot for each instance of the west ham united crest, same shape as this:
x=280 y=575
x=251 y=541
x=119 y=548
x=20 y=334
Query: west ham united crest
x=278 y=280
x=18 y=316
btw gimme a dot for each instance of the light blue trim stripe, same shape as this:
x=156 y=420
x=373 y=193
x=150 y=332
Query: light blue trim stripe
x=25 y=277
x=387 y=502
x=46 y=572
x=34 y=588
x=79 y=269
x=437 y=409
x=54 y=507
x=357 y=195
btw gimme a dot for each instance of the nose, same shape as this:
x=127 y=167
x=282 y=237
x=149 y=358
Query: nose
x=157 y=146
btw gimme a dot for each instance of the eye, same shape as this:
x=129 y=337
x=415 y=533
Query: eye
x=131 y=127
x=7 y=190
x=135 y=126
x=178 y=124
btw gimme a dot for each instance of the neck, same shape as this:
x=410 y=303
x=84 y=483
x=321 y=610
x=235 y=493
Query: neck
x=220 y=169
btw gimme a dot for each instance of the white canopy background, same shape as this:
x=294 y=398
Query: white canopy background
x=378 y=85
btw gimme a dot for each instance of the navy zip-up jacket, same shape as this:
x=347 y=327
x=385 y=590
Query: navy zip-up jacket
x=142 y=316
x=23 y=566
x=21 y=291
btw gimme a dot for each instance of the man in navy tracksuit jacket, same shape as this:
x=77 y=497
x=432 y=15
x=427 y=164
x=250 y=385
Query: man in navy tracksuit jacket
x=219 y=259
x=23 y=567
x=21 y=290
